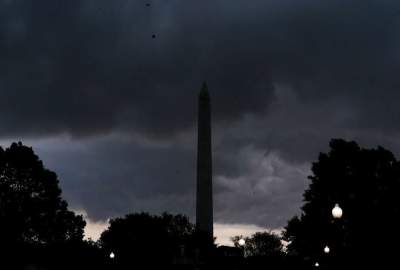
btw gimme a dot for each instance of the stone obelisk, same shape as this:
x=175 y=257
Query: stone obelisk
x=204 y=202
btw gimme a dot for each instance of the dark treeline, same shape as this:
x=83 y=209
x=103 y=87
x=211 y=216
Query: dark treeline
x=38 y=231
x=36 y=227
x=366 y=184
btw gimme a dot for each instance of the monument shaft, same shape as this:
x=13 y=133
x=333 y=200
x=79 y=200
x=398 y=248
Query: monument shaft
x=204 y=203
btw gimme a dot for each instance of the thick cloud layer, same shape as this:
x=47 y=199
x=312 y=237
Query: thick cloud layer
x=96 y=68
x=106 y=92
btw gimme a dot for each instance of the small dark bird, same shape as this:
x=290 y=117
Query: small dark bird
x=153 y=36
x=148 y=4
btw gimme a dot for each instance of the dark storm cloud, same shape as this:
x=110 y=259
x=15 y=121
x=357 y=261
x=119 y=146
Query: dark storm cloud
x=114 y=175
x=285 y=76
x=95 y=67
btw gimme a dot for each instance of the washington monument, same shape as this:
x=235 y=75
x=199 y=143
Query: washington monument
x=204 y=202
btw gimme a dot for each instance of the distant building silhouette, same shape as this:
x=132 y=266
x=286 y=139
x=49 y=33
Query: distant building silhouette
x=204 y=200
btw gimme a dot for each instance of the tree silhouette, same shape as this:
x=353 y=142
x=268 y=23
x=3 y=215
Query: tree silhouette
x=263 y=244
x=32 y=212
x=262 y=249
x=366 y=184
x=144 y=238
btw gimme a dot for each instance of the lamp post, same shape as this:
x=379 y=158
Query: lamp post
x=337 y=214
x=242 y=243
x=111 y=262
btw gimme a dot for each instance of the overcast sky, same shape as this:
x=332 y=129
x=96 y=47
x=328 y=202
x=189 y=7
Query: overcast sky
x=113 y=110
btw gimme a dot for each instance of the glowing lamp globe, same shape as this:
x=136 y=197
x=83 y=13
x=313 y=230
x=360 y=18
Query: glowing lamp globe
x=337 y=212
x=112 y=255
x=327 y=250
x=316 y=264
x=242 y=242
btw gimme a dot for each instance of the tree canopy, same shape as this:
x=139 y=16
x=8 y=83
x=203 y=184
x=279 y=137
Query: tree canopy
x=366 y=184
x=141 y=237
x=32 y=211
x=262 y=249
x=261 y=244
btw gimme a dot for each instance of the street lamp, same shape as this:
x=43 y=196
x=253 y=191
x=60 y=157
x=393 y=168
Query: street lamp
x=327 y=249
x=316 y=264
x=112 y=255
x=242 y=242
x=337 y=212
